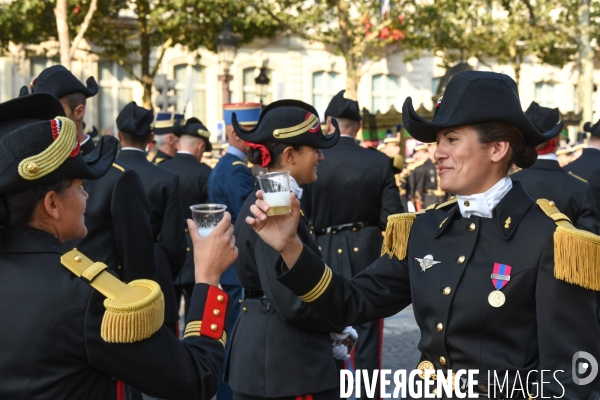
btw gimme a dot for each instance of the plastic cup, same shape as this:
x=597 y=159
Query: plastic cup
x=207 y=217
x=276 y=192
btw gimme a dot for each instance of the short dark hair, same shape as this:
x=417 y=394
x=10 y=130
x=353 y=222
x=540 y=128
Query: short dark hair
x=138 y=141
x=522 y=155
x=74 y=100
x=21 y=205
x=275 y=149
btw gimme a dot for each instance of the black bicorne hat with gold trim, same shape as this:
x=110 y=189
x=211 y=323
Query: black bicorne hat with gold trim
x=341 y=107
x=593 y=129
x=475 y=97
x=288 y=121
x=25 y=110
x=135 y=120
x=543 y=118
x=194 y=127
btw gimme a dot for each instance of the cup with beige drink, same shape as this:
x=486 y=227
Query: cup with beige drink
x=276 y=192
x=207 y=217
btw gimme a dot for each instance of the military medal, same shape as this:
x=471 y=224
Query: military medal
x=500 y=278
x=426 y=262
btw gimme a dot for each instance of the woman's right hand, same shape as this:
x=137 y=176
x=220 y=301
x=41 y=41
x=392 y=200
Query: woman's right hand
x=278 y=231
x=214 y=253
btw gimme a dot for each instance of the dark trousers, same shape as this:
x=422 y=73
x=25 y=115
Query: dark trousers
x=185 y=291
x=367 y=352
x=326 y=395
x=235 y=293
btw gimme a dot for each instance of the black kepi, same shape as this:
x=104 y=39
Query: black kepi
x=288 y=121
x=193 y=127
x=592 y=129
x=135 y=120
x=474 y=97
x=543 y=118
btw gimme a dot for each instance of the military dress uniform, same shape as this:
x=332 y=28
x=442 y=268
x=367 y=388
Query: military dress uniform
x=588 y=167
x=280 y=348
x=193 y=189
x=78 y=324
x=117 y=217
x=165 y=124
x=423 y=183
x=162 y=189
x=349 y=233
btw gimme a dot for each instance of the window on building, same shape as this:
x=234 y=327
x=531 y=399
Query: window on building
x=190 y=90
x=544 y=94
x=116 y=90
x=249 y=74
x=325 y=85
x=435 y=84
x=385 y=93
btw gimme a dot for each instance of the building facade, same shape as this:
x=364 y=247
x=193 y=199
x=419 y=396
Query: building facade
x=296 y=68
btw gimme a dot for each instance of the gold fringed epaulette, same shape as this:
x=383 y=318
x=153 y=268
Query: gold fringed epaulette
x=134 y=311
x=576 y=252
x=395 y=242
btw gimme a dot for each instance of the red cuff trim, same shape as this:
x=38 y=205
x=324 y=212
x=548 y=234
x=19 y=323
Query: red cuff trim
x=213 y=320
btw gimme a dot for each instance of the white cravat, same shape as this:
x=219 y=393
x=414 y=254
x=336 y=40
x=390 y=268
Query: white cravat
x=297 y=190
x=482 y=204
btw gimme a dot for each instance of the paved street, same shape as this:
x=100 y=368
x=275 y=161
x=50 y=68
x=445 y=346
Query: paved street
x=400 y=338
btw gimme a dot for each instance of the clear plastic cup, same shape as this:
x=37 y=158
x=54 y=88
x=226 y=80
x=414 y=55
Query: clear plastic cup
x=207 y=217
x=276 y=192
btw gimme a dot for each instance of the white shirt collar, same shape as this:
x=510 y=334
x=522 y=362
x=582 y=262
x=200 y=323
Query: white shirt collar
x=297 y=190
x=344 y=135
x=549 y=156
x=482 y=204
x=132 y=148
x=185 y=152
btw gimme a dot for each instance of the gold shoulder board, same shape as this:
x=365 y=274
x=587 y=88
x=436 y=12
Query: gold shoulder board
x=238 y=163
x=576 y=252
x=134 y=311
x=577 y=176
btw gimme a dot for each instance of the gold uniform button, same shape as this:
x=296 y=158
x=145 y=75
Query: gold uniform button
x=320 y=249
x=77 y=258
x=240 y=300
x=220 y=298
x=119 y=267
x=551 y=203
x=214 y=328
x=356 y=249
x=466 y=203
x=446 y=291
x=340 y=251
x=461 y=259
x=216 y=312
x=439 y=327
x=354 y=229
x=443 y=360
x=334 y=231
x=186 y=229
x=188 y=249
x=472 y=227
x=311 y=232
x=244 y=309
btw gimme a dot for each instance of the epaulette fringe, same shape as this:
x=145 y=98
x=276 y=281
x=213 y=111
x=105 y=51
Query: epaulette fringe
x=395 y=242
x=576 y=252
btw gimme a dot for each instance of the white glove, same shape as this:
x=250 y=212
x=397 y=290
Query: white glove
x=340 y=351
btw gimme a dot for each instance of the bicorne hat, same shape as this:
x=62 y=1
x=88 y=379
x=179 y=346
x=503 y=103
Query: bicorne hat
x=60 y=82
x=592 y=129
x=24 y=110
x=341 y=107
x=288 y=121
x=135 y=120
x=543 y=118
x=475 y=97
x=194 y=127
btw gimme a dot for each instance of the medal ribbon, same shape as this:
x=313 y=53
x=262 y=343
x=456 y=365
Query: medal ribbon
x=501 y=275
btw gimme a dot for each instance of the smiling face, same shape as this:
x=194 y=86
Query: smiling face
x=304 y=167
x=465 y=165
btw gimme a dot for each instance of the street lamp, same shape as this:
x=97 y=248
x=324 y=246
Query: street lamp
x=262 y=84
x=226 y=47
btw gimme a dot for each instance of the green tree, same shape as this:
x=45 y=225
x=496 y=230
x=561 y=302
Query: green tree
x=130 y=37
x=358 y=30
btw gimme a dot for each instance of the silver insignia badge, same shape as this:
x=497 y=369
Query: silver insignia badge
x=427 y=262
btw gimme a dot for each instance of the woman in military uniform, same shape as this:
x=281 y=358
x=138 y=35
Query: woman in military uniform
x=68 y=324
x=277 y=336
x=499 y=282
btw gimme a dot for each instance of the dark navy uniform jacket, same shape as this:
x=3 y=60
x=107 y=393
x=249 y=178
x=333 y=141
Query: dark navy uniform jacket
x=193 y=181
x=230 y=183
x=588 y=167
x=423 y=183
x=50 y=335
x=355 y=185
x=117 y=217
x=162 y=189
x=542 y=324
x=280 y=346
x=160 y=157
x=547 y=180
